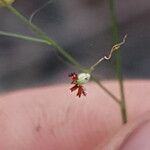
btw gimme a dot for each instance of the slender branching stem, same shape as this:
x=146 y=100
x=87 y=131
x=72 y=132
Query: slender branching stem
x=39 y=9
x=24 y=37
x=114 y=48
x=115 y=35
x=43 y=38
x=106 y=90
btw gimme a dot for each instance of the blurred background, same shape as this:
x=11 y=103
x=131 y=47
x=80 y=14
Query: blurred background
x=81 y=27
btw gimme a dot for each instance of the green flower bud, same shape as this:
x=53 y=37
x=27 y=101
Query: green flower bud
x=4 y=3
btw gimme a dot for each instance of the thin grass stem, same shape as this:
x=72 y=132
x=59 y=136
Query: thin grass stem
x=115 y=36
x=24 y=37
x=42 y=37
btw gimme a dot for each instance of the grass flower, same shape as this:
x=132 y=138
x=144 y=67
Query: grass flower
x=78 y=81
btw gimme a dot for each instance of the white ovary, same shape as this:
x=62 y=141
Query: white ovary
x=83 y=78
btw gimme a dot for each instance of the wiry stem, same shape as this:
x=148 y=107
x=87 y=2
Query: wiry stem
x=114 y=48
x=115 y=34
x=39 y=9
x=43 y=37
x=24 y=37
x=106 y=90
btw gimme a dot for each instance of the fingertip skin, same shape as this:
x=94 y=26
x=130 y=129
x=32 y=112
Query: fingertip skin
x=53 y=118
x=130 y=136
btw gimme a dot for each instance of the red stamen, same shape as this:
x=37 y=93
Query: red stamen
x=74 y=88
x=81 y=91
x=74 y=78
